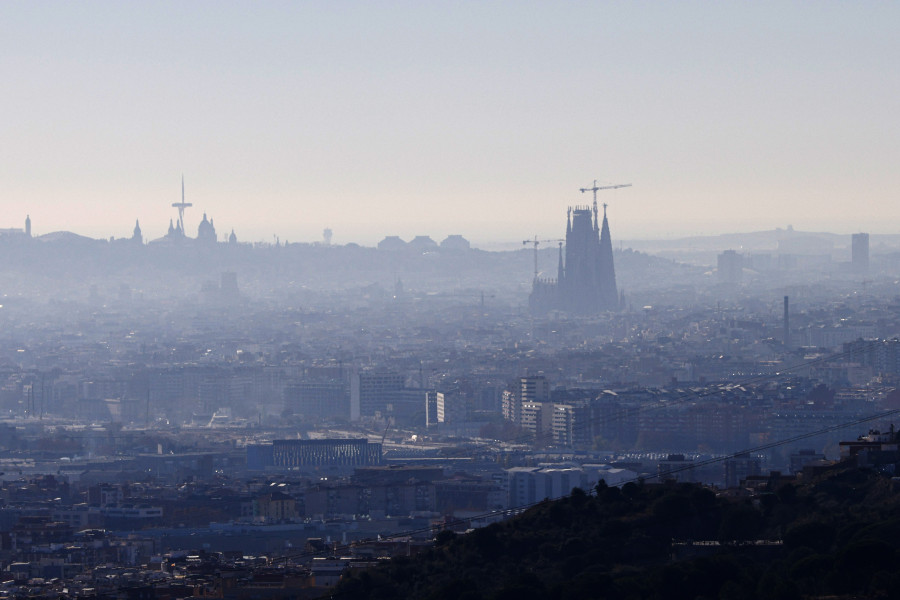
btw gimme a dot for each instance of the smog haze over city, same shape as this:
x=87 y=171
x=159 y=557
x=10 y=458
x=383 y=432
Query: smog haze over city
x=388 y=118
x=449 y=300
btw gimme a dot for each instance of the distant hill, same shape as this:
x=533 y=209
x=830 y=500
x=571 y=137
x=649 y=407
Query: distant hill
x=837 y=537
x=67 y=237
x=756 y=240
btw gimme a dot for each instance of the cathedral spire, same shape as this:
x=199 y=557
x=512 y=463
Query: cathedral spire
x=606 y=272
x=560 y=269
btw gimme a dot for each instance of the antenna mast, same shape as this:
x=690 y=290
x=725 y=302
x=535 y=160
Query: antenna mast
x=181 y=206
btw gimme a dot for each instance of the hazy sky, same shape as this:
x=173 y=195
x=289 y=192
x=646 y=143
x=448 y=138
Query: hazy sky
x=479 y=118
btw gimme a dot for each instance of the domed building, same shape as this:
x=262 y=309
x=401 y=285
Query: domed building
x=422 y=243
x=392 y=243
x=206 y=231
x=455 y=242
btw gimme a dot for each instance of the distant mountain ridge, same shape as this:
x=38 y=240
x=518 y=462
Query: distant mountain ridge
x=753 y=241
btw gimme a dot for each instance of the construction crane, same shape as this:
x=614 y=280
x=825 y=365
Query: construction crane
x=386 y=429
x=536 y=242
x=596 y=189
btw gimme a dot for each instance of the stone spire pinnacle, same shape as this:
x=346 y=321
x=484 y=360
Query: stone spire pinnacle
x=560 y=268
x=606 y=271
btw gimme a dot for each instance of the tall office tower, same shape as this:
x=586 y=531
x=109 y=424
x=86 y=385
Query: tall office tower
x=860 y=252
x=532 y=390
x=535 y=388
x=374 y=392
x=431 y=408
x=786 y=334
x=450 y=407
x=730 y=267
x=318 y=399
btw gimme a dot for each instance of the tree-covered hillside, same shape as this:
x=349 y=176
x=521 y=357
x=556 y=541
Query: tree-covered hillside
x=840 y=536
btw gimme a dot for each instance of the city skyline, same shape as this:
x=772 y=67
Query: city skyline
x=192 y=231
x=466 y=300
x=482 y=120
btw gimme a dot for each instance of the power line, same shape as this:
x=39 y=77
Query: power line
x=711 y=390
x=506 y=512
x=713 y=460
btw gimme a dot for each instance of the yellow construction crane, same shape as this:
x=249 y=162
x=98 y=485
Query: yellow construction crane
x=536 y=242
x=596 y=189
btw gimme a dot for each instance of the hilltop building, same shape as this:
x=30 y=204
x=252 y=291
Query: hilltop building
x=392 y=243
x=586 y=279
x=174 y=234
x=422 y=243
x=455 y=242
x=13 y=232
x=206 y=231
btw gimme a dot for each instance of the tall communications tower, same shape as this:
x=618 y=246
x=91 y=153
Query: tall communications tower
x=181 y=206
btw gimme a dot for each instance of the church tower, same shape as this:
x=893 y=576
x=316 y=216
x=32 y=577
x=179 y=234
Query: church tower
x=606 y=270
x=586 y=280
x=579 y=289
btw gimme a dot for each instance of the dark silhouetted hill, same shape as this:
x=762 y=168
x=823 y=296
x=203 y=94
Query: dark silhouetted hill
x=837 y=537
